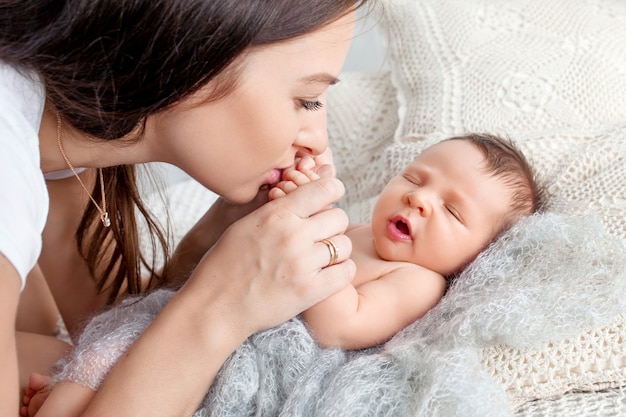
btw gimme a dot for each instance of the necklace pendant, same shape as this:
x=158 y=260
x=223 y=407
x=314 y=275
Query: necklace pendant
x=104 y=217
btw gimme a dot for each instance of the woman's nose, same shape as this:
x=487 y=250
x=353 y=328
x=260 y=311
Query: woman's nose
x=419 y=200
x=313 y=138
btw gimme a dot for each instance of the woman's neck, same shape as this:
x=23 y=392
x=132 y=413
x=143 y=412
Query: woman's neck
x=80 y=151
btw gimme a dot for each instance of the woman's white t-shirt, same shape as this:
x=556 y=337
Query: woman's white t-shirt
x=23 y=193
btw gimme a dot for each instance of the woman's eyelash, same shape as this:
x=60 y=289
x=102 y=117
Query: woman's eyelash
x=312 y=105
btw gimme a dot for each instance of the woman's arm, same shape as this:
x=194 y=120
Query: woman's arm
x=66 y=399
x=364 y=316
x=37 y=318
x=9 y=295
x=37 y=311
x=264 y=269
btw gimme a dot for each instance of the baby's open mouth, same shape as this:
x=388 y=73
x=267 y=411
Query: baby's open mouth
x=402 y=227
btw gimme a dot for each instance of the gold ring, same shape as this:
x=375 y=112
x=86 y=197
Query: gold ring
x=332 y=249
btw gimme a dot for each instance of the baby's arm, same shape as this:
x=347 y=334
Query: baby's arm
x=373 y=312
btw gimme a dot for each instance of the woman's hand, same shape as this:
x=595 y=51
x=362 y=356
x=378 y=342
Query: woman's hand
x=270 y=265
x=203 y=235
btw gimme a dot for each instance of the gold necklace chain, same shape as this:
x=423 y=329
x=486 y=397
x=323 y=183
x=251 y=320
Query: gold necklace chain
x=104 y=215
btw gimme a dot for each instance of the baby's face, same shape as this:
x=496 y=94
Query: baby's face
x=442 y=210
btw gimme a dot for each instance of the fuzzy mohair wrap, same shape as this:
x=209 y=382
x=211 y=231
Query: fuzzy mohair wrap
x=549 y=277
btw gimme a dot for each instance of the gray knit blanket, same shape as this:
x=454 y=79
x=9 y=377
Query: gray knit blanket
x=547 y=278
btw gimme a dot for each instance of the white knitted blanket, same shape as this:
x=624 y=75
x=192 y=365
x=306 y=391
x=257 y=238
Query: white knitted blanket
x=548 y=278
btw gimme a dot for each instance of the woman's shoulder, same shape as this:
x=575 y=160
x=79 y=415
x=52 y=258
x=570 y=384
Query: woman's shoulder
x=21 y=180
x=22 y=100
x=21 y=92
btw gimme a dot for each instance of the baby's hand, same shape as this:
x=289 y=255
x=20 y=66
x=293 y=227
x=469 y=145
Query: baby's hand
x=292 y=178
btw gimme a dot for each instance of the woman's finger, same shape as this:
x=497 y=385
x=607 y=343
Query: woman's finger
x=335 y=250
x=310 y=198
x=327 y=223
x=286 y=186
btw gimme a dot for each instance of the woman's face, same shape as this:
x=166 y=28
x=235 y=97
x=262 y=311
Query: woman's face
x=276 y=111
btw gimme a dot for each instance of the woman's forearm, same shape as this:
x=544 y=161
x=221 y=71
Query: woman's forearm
x=169 y=369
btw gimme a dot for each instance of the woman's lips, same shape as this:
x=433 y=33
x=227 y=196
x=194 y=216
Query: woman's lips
x=399 y=229
x=274 y=176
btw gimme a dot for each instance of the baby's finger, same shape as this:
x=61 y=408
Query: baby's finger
x=275 y=193
x=306 y=163
x=325 y=171
x=301 y=177
x=311 y=198
x=325 y=158
x=286 y=186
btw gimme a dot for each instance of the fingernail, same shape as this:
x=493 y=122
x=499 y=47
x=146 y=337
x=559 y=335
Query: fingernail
x=306 y=162
x=326 y=171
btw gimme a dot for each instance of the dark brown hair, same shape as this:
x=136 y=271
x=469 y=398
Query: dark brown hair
x=506 y=162
x=109 y=64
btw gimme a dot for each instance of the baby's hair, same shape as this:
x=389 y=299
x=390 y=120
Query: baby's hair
x=506 y=162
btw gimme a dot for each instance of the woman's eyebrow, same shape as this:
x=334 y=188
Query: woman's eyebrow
x=322 y=77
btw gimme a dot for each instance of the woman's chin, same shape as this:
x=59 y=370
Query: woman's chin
x=259 y=195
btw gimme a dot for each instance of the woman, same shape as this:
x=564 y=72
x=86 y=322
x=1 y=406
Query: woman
x=232 y=93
